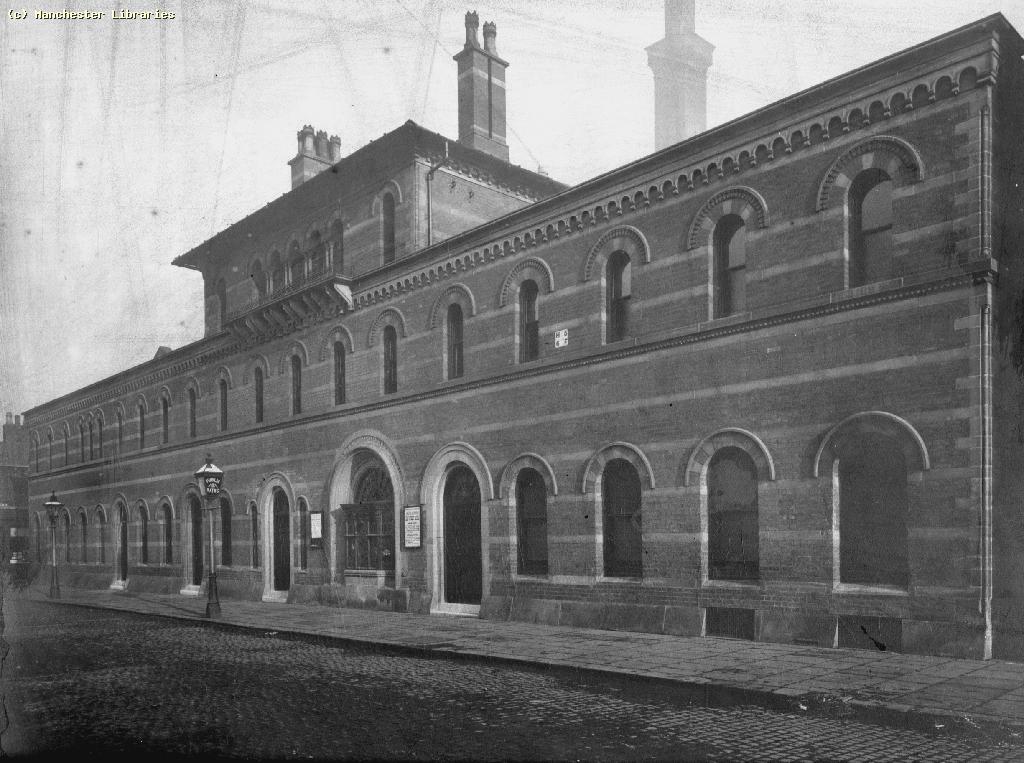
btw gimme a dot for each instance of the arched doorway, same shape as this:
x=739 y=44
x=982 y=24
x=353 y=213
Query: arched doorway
x=463 y=552
x=122 y=546
x=282 y=562
x=196 y=514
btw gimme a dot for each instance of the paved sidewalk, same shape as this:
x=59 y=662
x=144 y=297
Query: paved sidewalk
x=891 y=689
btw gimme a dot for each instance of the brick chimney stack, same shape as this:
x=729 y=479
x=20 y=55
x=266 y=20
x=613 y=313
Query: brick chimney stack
x=316 y=153
x=680 y=64
x=482 y=90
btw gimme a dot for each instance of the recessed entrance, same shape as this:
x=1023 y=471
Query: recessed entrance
x=197 y=540
x=281 y=542
x=463 y=554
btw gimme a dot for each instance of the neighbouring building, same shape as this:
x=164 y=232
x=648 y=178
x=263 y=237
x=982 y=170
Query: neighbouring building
x=13 y=488
x=766 y=383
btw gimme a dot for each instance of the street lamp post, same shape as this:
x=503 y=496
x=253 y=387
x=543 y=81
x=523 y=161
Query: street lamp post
x=53 y=507
x=210 y=479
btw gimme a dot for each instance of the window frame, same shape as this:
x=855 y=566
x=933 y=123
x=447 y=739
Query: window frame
x=454 y=332
x=529 y=321
x=389 y=341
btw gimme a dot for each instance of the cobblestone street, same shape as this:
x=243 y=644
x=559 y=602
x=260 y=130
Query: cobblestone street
x=106 y=682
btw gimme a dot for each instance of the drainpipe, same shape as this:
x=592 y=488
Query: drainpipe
x=430 y=178
x=984 y=383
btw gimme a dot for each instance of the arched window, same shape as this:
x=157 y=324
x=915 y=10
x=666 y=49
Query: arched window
x=191 y=413
x=620 y=496
x=257 y=376
x=296 y=385
x=67 y=537
x=83 y=525
x=168 y=535
x=387 y=227
x=223 y=386
x=225 y=532
x=67 y=445
x=390 y=360
x=339 y=373
x=142 y=426
x=873 y=503
x=454 y=331
x=49 y=450
x=276 y=272
x=303 y=534
x=92 y=442
x=120 y=431
x=222 y=303
x=259 y=279
x=618 y=282
x=254 y=521
x=297 y=269
x=99 y=436
x=336 y=251
x=316 y=254
x=143 y=536
x=101 y=536
x=532 y=522
x=730 y=266
x=34 y=447
x=165 y=420
x=732 y=516
x=81 y=442
x=870 y=227
x=39 y=541
x=529 y=326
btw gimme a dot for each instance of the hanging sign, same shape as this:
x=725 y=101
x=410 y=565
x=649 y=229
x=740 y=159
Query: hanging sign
x=412 y=527
x=562 y=338
x=316 y=528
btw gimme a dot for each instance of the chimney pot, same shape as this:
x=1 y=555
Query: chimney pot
x=472 y=24
x=335 y=145
x=490 y=32
x=10 y=417
x=17 y=420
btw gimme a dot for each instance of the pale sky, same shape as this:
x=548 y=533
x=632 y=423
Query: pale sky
x=125 y=143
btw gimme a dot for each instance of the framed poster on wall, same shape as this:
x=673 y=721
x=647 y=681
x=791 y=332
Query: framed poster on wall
x=411 y=527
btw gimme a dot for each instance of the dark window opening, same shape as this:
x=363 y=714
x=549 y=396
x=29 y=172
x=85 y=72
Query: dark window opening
x=532 y=520
x=529 y=326
x=388 y=227
x=222 y=304
x=390 y=360
x=81 y=441
x=303 y=534
x=142 y=427
x=258 y=391
x=871 y=222
x=84 y=527
x=729 y=622
x=67 y=537
x=733 y=549
x=620 y=494
x=619 y=288
x=730 y=266
x=120 y=432
x=873 y=512
x=223 y=405
x=454 y=331
x=339 y=373
x=225 y=532
x=143 y=536
x=168 y=535
x=296 y=385
x=165 y=418
x=92 y=443
x=254 y=529
x=191 y=413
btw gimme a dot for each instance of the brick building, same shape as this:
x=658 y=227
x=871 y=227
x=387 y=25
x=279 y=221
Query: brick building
x=763 y=383
x=13 y=486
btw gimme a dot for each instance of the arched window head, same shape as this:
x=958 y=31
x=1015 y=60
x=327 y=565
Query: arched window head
x=532 y=522
x=618 y=283
x=223 y=388
x=296 y=385
x=620 y=497
x=387 y=227
x=453 y=329
x=257 y=383
x=870 y=228
x=529 y=325
x=730 y=266
x=390 y=360
x=339 y=373
x=873 y=503
x=191 y=413
x=732 y=516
